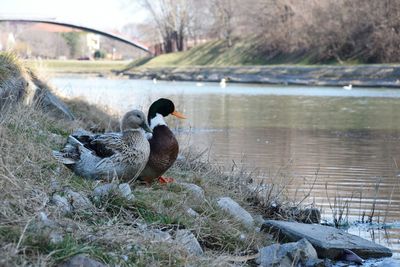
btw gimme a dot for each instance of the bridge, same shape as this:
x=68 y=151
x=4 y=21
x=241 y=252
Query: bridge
x=77 y=26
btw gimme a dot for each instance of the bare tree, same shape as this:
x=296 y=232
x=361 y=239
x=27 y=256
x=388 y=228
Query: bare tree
x=224 y=14
x=172 y=20
x=323 y=30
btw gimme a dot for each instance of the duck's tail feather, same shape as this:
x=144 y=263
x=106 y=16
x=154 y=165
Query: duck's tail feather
x=63 y=158
x=71 y=152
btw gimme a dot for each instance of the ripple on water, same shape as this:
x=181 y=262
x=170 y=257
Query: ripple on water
x=349 y=138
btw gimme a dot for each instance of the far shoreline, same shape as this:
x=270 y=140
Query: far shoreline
x=381 y=75
x=358 y=75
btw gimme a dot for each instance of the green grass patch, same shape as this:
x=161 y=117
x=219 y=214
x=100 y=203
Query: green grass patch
x=9 y=233
x=214 y=53
x=67 y=248
x=77 y=66
x=243 y=52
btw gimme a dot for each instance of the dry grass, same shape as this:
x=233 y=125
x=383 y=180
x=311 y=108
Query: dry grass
x=94 y=118
x=112 y=229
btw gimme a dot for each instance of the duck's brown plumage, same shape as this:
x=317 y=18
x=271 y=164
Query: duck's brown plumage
x=164 y=147
x=164 y=150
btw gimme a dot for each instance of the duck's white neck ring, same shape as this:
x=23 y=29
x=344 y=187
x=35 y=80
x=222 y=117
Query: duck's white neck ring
x=157 y=120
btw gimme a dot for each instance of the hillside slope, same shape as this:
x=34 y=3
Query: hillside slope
x=217 y=54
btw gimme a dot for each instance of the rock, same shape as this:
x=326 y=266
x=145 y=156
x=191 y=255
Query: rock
x=195 y=190
x=258 y=219
x=104 y=190
x=62 y=204
x=78 y=200
x=54 y=185
x=49 y=228
x=328 y=241
x=20 y=84
x=46 y=221
x=50 y=103
x=290 y=254
x=80 y=261
x=189 y=241
x=192 y=212
x=123 y=190
x=56 y=237
x=236 y=211
x=141 y=225
x=348 y=255
x=157 y=235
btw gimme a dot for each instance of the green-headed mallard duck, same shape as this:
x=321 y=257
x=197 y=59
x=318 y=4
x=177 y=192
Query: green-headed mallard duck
x=104 y=156
x=164 y=147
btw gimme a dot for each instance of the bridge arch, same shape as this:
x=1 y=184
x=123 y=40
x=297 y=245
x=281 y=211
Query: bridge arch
x=80 y=27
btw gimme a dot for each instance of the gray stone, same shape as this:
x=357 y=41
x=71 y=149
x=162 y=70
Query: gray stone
x=22 y=85
x=49 y=228
x=328 y=241
x=258 y=219
x=50 y=103
x=189 y=241
x=81 y=261
x=290 y=254
x=348 y=255
x=78 y=200
x=62 y=204
x=123 y=190
x=46 y=221
x=54 y=185
x=195 y=190
x=104 y=190
x=56 y=237
x=157 y=235
x=192 y=212
x=236 y=211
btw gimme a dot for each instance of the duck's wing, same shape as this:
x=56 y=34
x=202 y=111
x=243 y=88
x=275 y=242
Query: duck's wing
x=106 y=145
x=103 y=145
x=84 y=137
x=71 y=152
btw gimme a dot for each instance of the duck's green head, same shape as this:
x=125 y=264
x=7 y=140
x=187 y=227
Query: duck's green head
x=163 y=107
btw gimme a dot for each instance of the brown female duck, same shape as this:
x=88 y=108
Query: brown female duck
x=164 y=147
x=104 y=156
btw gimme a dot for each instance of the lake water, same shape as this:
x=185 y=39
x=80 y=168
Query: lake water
x=342 y=144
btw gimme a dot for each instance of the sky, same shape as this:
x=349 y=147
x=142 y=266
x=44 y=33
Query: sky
x=101 y=14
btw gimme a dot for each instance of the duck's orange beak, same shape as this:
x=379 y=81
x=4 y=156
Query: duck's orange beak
x=178 y=115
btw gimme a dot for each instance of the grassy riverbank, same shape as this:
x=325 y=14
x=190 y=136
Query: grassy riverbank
x=77 y=66
x=48 y=214
x=217 y=54
x=109 y=231
x=210 y=54
x=212 y=61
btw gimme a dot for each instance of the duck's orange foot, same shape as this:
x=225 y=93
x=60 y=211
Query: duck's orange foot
x=165 y=180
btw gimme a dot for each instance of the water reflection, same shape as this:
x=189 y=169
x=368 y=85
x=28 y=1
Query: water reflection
x=351 y=139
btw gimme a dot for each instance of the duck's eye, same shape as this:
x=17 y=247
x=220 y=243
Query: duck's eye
x=138 y=116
